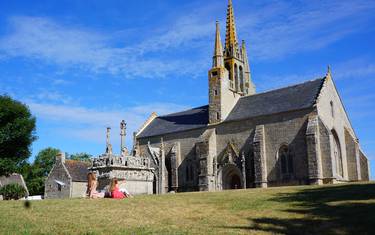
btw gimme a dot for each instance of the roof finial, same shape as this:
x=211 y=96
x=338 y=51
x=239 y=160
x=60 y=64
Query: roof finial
x=329 y=74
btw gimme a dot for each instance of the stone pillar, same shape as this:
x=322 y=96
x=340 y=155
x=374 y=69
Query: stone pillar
x=202 y=154
x=260 y=160
x=358 y=161
x=214 y=167
x=313 y=151
x=243 y=162
x=161 y=174
x=175 y=162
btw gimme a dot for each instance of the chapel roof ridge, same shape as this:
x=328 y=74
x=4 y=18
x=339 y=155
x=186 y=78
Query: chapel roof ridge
x=183 y=111
x=286 y=87
x=256 y=94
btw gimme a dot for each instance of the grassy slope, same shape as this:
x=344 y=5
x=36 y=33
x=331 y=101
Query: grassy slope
x=339 y=209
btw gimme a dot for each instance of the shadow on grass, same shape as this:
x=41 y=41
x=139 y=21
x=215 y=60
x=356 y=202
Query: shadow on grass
x=343 y=209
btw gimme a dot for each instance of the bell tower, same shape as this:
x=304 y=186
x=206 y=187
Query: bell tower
x=229 y=77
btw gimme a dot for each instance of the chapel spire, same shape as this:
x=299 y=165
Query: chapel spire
x=231 y=33
x=218 y=59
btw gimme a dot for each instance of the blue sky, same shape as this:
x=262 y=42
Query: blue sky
x=83 y=65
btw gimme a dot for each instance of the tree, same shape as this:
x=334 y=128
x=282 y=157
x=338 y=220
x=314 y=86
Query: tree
x=17 y=132
x=81 y=157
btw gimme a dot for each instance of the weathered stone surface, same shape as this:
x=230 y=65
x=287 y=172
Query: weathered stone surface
x=133 y=172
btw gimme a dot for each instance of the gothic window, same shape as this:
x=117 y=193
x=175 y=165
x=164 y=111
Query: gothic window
x=215 y=92
x=217 y=115
x=286 y=160
x=236 y=75
x=337 y=154
x=241 y=78
x=332 y=109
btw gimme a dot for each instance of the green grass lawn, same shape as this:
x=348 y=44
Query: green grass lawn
x=338 y=209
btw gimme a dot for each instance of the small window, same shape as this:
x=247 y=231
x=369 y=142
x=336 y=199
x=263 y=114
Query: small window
x=214 y=73
x=215 y=92
x=332 y=109
x=59 y=187
x=286 y=160
x=217 y=115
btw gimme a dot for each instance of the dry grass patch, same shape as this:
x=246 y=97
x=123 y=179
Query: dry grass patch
x=287 y=210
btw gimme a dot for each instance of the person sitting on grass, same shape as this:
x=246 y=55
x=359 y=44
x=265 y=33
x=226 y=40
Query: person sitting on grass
x=115 y=191
x=92 y=183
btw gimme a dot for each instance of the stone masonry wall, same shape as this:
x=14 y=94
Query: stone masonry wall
x=79 y=189
x=59 y=173
x=336 y=120
x=287 y=128
x=325 y=151
x=351 y=156
x=365 y=174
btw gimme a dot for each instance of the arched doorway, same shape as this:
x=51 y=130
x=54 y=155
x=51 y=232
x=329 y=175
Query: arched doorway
x=231 y=177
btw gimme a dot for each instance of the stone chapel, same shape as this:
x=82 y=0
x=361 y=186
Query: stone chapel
x=296 y=135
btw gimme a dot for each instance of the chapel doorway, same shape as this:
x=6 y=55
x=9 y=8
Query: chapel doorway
x=231 y=177
x=235 y=182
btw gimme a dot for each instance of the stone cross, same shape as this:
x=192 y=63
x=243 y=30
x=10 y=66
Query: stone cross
x=108 y=144
x=123 y=134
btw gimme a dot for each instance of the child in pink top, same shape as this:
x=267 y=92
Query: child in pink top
x=115 y=191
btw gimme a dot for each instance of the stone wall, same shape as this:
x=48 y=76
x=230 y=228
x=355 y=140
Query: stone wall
x=59 y=173
x=332 y=113
x=79 y=189
x=365 y=167
x=287 y=128
x=187 y=142
x=325 y=151
x=351 y=153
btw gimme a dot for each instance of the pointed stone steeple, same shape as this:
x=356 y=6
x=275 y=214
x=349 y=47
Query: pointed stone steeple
x=249 y=85
x=218 y=59
x=231 y=41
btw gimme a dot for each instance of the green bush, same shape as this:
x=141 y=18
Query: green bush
x=13 y=191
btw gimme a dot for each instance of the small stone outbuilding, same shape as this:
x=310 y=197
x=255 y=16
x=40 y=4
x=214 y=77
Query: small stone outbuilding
x=14 y=179
x=67 y=179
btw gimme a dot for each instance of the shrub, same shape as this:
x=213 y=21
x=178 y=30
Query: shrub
x=13 y=191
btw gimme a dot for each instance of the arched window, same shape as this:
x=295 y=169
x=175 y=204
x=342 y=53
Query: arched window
x=286 y=161
x=241 y=79
x=218 y=116
x=332 y=109
x=337 y=154
x=228 y=67
x=236 y=76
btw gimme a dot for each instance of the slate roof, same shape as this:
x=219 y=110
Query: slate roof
x=181 y=121
x=77 y=170
x=290 y=98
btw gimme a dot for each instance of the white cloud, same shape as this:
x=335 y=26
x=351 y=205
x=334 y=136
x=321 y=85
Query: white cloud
x=83 y=123
x=272 y=30
x=283 y=28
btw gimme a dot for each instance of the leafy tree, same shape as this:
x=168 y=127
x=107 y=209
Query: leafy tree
x=17 y=132
x=44 y=160
x=81 y=157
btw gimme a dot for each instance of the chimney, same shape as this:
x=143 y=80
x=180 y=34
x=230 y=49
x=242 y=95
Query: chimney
x=60 y=157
